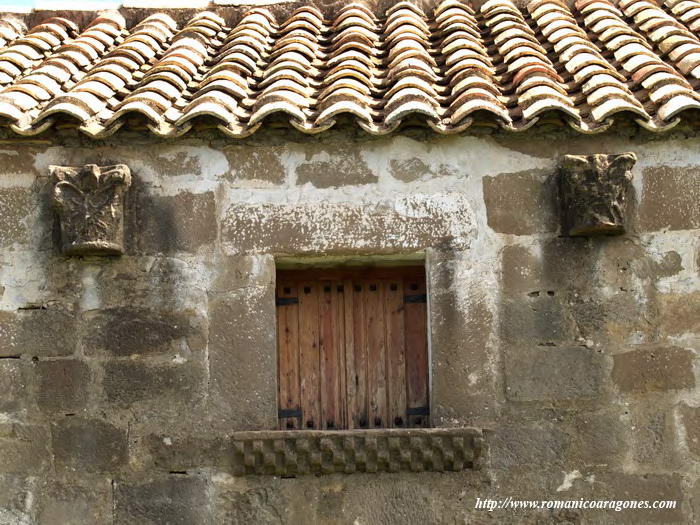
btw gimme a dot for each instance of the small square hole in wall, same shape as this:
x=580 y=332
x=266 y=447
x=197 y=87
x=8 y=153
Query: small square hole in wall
x=352 y=346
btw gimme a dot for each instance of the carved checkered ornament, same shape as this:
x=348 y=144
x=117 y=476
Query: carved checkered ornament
x=298 y=452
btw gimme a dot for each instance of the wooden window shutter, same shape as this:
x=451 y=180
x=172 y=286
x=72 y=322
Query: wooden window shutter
x=352 y=348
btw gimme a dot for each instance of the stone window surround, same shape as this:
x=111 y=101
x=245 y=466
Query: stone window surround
x=289 y=453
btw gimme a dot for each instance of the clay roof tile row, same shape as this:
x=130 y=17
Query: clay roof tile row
x=449 y=68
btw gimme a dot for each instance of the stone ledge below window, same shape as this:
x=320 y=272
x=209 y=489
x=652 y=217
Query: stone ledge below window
x=298 y=452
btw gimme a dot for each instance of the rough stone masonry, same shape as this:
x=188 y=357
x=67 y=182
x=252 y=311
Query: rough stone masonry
x=158 y=165
x=123 y=378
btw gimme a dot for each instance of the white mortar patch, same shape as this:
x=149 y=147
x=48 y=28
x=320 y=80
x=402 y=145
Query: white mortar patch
x=90 y=298
x=569 y=480
x=467 y=156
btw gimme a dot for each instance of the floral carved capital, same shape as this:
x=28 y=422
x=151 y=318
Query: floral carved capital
x=592 y=192
x=89 y=201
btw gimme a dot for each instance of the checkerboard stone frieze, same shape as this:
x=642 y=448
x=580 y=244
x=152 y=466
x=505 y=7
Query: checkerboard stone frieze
x=290 y=453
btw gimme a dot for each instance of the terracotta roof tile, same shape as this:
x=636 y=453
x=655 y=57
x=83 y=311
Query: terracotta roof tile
x=449 y=68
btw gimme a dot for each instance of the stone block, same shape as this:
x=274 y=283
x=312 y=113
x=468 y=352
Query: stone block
x=547 y=373
x=381 y=498
x=529 y=445
x=554 y=265
x=620 y=261
x=19 y=158
x=179 y=385
x=331 y=165
x=16 y=499
x=252 y=165
x=695 y=498
x=638 y=487
x=667 y=265
x=403 y=223
x=543 y=319
x=618 y=319
x=64 y=385
x=150 y=287
x=40 y=332
x=242 y=359
x=653 y=369
x=653 y=444
x=83 y=500
x=521 y=203
x=265 y=505
x=678 y=314
x=88 y=445
x=24 y=448
x=124 y=331
x=463 y=381
x=184 y=452
x=172 y=500
x=180 y=223
x=670 y=199
x=13 y=385
x=15 y=205
x=415 y=168
x=408 y=500
x=598 y=437
x=527 y=484
x=521 y=271
x=690 y=416
x=235 y=272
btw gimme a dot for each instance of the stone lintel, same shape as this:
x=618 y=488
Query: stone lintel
x=298 y=452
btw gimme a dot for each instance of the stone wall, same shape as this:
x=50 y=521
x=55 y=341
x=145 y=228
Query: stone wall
x=122 y=379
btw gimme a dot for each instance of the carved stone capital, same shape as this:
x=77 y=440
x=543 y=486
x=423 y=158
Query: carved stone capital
x=592 y=192
x=89 y=202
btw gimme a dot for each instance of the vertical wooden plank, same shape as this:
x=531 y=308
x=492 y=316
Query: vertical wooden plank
x=338 y=300
x=396 y=362
x=309 y=355
x=288 y=353
x=415 y=319
x=376 y=353
x=360 y=410
x=330 y=358
x=351 y=412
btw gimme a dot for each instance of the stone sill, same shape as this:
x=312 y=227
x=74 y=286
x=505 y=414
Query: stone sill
x=299 y=452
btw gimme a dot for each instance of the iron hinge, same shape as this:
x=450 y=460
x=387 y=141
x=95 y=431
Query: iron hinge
x=420 y=298
x=418 y=411
x=283 y=413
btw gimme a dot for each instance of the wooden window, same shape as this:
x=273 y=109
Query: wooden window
x=352 y=348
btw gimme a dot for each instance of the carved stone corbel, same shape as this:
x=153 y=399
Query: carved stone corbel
x=592 y=192
x=89 y=202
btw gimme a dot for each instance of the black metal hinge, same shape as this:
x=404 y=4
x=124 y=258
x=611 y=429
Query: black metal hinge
x=283 y=413
x=284 y=301
x=420 y=298
x=418 y=411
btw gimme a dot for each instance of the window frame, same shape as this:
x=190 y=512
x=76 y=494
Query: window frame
x=413 y=269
